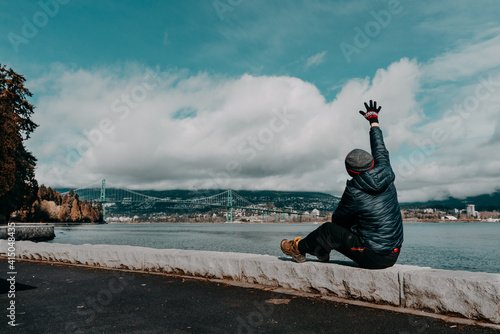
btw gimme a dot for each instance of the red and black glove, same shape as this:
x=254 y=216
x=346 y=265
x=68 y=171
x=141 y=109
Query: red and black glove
x=372 y=111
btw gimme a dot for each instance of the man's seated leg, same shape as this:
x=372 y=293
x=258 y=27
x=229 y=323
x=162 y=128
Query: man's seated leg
x=318 y=243
x=351 y=246
x=345 y=224
x=331 y=236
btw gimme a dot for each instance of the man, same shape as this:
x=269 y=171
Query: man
x=367 y=226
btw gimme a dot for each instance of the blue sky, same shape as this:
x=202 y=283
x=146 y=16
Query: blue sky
x=226 y=73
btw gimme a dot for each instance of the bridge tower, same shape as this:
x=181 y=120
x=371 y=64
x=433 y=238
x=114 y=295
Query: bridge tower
x=229 y=210
x=103 y=200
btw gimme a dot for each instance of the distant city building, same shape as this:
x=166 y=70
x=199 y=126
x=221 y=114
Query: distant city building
x=315 y=212
x=471 y=211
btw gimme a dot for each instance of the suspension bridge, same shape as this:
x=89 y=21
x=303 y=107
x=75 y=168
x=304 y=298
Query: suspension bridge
x=228 y=199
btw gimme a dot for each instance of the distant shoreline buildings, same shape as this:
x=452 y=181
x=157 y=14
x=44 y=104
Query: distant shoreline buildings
x=467 y=214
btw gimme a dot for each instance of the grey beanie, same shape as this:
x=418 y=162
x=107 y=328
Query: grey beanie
x=358 y=161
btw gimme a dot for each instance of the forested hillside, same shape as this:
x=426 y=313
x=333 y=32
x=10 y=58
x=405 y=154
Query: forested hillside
x=51 y=206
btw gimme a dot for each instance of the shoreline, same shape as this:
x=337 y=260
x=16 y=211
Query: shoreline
x=447 y=221
x=405 y=221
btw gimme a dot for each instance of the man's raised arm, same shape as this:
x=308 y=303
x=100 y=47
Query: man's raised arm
x=379 y=152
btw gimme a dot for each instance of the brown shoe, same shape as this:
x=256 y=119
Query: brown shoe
x=291 y=247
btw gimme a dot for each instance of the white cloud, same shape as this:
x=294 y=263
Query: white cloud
x=451 y=151
x=316 y=60
x=466 y=61
x=249 y=132
x=254 y=132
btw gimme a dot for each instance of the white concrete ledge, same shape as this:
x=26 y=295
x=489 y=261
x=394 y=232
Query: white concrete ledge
x=468 y=294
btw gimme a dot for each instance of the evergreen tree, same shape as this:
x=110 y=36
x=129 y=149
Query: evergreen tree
x=75 y=214
x=18 y=187
x=64 y=213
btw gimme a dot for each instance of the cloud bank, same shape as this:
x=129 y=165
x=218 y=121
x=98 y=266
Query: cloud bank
x=149 y=128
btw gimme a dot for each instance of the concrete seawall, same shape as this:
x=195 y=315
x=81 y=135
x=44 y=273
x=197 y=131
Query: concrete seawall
x=468 y=294
x=37 y=232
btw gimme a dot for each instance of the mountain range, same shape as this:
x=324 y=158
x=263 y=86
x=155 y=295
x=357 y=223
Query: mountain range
x=305 y=200
x=485 y=202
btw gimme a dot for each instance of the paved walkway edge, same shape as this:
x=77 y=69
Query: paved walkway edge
x=471 y=295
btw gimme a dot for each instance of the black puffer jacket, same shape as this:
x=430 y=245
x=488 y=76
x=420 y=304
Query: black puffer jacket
x=370 y=203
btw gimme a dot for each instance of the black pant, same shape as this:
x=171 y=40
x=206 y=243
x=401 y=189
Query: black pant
x=328 y=236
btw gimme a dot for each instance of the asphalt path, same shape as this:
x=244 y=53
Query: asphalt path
x=52 y=298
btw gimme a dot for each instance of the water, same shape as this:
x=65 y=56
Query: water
x=455 y=246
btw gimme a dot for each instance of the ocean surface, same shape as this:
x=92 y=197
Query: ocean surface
x=455 y=246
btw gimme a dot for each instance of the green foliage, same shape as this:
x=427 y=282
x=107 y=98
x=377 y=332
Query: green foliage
x=18 y=187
